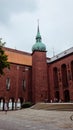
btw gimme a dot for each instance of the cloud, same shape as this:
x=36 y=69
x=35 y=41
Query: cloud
x=55 y=19
x=9 y=7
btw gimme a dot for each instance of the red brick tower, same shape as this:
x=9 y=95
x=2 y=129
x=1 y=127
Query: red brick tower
x=39 y=71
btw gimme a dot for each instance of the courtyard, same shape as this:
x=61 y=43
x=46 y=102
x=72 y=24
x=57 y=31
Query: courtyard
x=31 y=119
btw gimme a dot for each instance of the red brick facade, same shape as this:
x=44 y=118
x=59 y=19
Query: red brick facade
x=16 y=74
x=37 y=79
x=61 y=78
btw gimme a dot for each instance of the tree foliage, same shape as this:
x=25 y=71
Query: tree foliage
x=3 y=58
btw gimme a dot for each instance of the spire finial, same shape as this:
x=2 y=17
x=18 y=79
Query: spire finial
x=38 y=25
x=38 y=36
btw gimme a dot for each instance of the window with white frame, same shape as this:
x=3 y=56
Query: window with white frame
x=8 y=83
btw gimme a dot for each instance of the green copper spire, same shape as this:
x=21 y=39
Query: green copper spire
x=38 y=36
x=38 y=46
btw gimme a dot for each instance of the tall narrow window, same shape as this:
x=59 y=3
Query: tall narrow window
x=55 y=76
x=72 y=69
x=8 y=83
x=64 y=76
x=23 y=84
x=57 y=96
x=66 y=96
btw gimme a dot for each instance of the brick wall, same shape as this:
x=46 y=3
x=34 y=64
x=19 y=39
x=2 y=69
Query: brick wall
x=39 y=77
x=16 y=73
x=58 y=64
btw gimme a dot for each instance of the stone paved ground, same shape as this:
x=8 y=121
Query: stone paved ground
x=30 y=119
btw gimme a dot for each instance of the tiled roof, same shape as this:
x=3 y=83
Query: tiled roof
x=18 y=57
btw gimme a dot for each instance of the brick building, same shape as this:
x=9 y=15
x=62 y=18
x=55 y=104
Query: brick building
x=36 y=78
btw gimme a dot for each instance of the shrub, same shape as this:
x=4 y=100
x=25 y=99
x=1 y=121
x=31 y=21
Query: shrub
x=26 y=105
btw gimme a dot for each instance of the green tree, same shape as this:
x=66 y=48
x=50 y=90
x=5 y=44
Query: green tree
x=3 y=58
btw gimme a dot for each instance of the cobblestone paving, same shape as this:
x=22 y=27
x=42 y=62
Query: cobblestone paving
x=30 y=119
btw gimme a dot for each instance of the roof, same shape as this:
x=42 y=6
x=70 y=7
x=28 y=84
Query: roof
x=61 y=55
x=18 y=57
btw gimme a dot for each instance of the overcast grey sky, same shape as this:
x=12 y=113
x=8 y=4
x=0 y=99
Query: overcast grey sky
x=18 y=24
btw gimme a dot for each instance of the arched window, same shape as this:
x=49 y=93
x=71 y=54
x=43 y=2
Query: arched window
x=55 y=76
x=57 y=96
x=72 y=69
x=64 y=75
x=66 y=96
